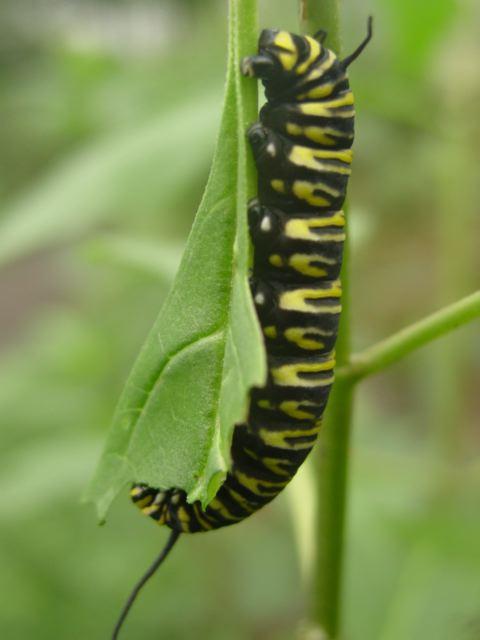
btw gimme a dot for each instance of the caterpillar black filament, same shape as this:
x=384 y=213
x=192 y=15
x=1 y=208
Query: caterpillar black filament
x=302 y=149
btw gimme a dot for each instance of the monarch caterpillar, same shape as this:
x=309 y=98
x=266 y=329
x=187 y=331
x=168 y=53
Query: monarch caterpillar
x=302 y=150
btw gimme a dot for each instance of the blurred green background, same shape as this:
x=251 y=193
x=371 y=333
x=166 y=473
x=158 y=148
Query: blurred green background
x=108 y=113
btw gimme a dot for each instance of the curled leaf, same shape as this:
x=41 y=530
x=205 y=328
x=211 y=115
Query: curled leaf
x=190 y=384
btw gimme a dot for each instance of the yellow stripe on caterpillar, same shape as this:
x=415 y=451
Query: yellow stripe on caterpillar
x=289 y=56
x=344 y=100
x=276 y=260
x=272 y=464
x=294 y=129
x=308 y=157
x=218 y=506
x=242 y=501
x=284 y=40
x=288 y=375
x=302 y=262
x=305 y=190
x=298 y=303
x=144 y=502
x=318 y=165
x=297 y=336
x=199 y=514
x=342 y=155
x=322 y=135
x=295 y=301
x=301 y=228
x=164 y=519
x=322 y=91
x=292 y=408
x=265 y=404
x=278 y=185
x=316 y=109
x=320 y=69
x=325 y=135
x=331 y=237
x=258 y=486
x=313 y=54
x=137 y=490
x=183 y=515
x=277 y=439
x=329 y=108
x=152 y=509
x=270 y=332
x=299 y=299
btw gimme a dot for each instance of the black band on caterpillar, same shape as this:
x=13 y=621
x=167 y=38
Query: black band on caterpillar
x=302 y=149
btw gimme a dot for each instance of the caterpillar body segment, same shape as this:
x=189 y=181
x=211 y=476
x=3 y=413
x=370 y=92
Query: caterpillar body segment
x=302 y=149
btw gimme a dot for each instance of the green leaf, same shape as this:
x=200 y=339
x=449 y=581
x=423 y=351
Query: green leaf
x=109 y=176
x=189 y=386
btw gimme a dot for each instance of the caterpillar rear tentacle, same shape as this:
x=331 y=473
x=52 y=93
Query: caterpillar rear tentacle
x=302 y=150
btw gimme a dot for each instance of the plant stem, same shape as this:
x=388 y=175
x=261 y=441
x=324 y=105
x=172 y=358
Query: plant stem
x=322 y=14
x=331 y=481
x=244 y=24
x=417 y=335
x=332 y=475
x=332 y=451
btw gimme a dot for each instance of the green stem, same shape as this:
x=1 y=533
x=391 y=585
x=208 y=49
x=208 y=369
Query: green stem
x=399 y=345
x=331 y=482
x=244 y=25
x=322 y=14
x=332 y=475
x=332 y=451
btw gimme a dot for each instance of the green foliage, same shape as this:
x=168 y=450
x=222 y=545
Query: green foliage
x=99 y=182
x=190 y=384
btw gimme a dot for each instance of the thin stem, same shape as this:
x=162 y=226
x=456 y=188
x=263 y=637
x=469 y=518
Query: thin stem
x=411 y=338
x=325 y=15
x=331 y=482
x=243 y=41
x=332 y=451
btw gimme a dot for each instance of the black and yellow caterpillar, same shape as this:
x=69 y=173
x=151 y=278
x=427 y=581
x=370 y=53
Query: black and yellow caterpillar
x=302 y=150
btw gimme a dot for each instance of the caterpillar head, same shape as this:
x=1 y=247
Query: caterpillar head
x=279 y=53
x=284 y=57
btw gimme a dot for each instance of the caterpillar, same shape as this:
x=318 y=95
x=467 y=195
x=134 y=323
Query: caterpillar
x=302 y=150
